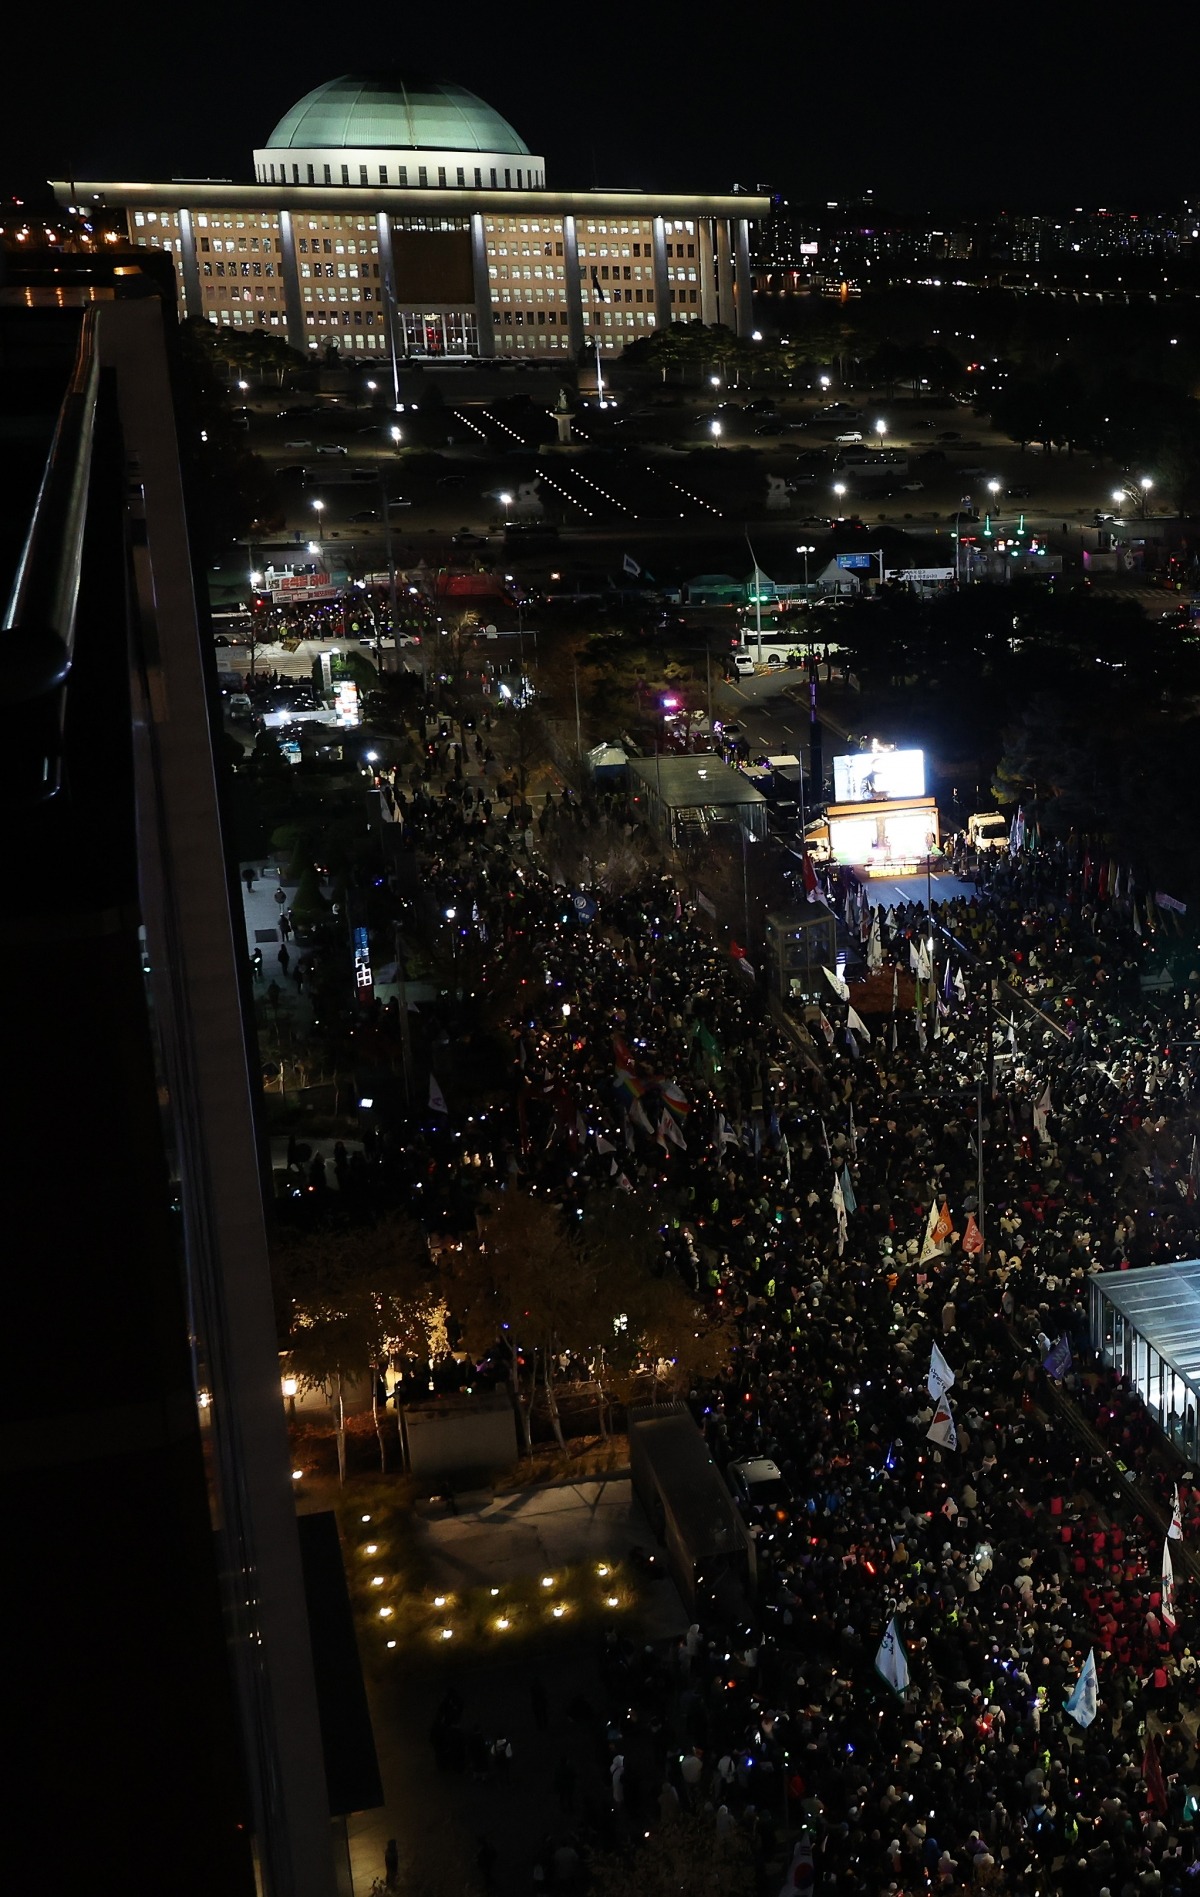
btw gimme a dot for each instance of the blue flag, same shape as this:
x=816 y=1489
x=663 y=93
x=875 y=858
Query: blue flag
x=1082 y=1702
x=1057 y=1360
x=851 y=1203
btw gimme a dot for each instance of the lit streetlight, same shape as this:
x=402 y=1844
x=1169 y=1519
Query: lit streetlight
x=839 y=488
x=881 y=430
x=994 y=489
x=1145 y=484
x=716 y=432
x=396 y=434
x=805 y=551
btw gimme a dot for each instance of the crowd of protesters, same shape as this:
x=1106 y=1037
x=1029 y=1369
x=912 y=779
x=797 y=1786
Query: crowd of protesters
x=797 y=1165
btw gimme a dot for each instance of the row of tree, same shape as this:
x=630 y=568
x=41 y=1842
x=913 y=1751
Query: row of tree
x=527 y=1289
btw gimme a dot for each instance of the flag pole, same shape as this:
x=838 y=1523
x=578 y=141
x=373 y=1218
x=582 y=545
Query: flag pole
x=979 y=1152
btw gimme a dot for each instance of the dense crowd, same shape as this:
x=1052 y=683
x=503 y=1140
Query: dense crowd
x=797 y=1167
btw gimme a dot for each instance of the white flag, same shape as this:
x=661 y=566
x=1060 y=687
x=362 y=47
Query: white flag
x=630 y=566
x=669 y=1127
x=857 y=1024
x=875 y=944
x=941 y=1377
x=837 y=984
x=1084 y=1694
x=1168 y=1588
x=960 y=986
x=931 y=1245
x=942 y=1430
x=1041 y=1110
x=437 y=1098
x=837 y=1199
x=891 y=1662
x=604 y=1145
x=637 y=1116
x=1175 y=1531
x=924 y=970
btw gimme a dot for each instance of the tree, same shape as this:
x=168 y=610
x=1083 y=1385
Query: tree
x=520 y=1284
x=347 y=1301
x=308 y=904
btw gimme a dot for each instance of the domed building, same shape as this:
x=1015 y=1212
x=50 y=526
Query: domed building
x=393 y=216
x=383 y=129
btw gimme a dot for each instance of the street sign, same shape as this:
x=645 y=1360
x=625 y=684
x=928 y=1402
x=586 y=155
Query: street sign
x=920 y=573
x=855 y=561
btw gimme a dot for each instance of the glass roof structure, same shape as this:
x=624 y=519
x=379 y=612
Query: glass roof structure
x=1146 y=1325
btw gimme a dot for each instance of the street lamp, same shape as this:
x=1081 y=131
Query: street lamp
x=839 y=488
x=806 y=551
x=396 y=434
x=506 y=501
x=715 y=380
x=994 y=488
x=318 y=509
x=1145 y=484
x=881 y=430
x=716 y=432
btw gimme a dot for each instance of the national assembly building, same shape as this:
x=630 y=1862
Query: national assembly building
x=405 y=217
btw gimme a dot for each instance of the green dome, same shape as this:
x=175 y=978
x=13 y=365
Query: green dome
x=382 y=111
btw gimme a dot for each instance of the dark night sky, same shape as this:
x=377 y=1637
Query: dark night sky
x=1011 y=104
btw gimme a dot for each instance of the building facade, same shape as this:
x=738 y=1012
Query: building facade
x=394 y=217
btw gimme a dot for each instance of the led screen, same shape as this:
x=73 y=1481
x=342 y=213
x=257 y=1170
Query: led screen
x=867 y=775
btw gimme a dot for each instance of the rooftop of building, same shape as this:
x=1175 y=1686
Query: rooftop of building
x=388 y=111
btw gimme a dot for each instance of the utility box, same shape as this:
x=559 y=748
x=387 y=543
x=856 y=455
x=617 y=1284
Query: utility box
x=460 y=1435
x=709 y=1550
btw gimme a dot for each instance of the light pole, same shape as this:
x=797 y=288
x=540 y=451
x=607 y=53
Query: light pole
x=994 y=489
x=881 y=430
x=839 y=488
x=397 y=435
x=715 y=426
x=1145 y=484
x=805 y=551
x=505 y=502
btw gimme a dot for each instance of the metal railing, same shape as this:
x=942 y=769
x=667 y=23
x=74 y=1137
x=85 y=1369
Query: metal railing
x=39 y=621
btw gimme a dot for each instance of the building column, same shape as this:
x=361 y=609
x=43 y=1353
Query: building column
x=706 y=256
x=387 y=278
x=742 y=278
x=483 y=288
x=662 y=287
x=189 y=269
x=293 y=302
x=724 y=269
x=574 y=298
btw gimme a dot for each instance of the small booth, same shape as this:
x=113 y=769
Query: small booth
x=685 y=798
x=1146 y=1326
x=800 y=943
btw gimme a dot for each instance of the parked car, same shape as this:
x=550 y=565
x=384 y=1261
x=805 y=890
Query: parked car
x=330 y=447
x=848 y=439
x=366 y=513
x=743 y=666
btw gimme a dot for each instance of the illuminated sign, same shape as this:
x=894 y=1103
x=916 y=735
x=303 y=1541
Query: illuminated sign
x=291 y=587
x=865 y=776
x=364 y=981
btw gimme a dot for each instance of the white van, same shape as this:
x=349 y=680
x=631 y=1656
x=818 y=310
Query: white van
x=743 y=665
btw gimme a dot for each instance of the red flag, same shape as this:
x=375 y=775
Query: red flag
x=972 y=1238
x=811 y=889
x=1152 y=1772
x=738 y=953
